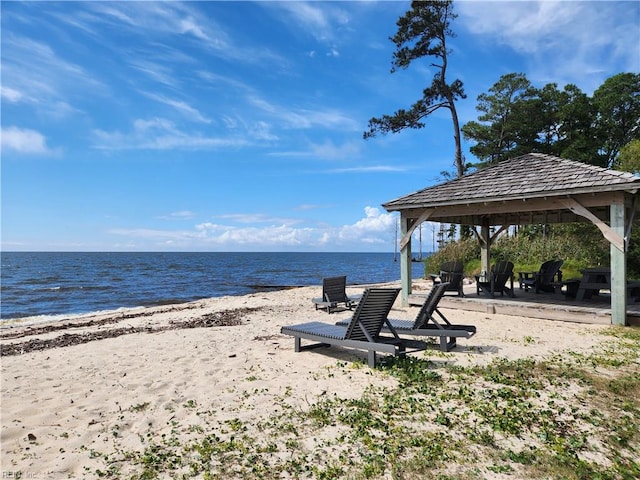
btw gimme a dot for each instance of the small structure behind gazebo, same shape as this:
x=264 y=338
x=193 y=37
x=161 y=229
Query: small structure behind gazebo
x=530 y=189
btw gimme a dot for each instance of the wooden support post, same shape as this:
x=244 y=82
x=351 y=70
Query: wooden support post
x=618 y=268
x=485 y=246
x=405 y=260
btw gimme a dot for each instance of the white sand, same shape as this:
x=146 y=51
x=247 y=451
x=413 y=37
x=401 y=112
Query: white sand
x=108 y=396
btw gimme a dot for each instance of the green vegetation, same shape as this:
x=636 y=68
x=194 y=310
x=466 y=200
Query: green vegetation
x=571 y=416
x=580 y=245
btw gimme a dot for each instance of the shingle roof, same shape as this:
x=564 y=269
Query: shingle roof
x=528 y=176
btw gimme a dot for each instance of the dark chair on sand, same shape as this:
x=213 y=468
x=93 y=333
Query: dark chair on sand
x=452 y=274
x=496 y=281
x=544 y=280
x=334 y=294
x=427 y=324
x=361 y=332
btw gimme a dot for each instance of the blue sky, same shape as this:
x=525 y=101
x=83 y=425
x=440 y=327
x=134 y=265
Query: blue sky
x=237 y=126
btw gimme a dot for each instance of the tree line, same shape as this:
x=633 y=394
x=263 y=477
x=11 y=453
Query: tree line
x=517 y=118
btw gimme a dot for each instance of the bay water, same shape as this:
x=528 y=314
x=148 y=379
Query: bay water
x=52 y=284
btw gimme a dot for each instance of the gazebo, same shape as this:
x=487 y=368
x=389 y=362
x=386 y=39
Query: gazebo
x=530 y=189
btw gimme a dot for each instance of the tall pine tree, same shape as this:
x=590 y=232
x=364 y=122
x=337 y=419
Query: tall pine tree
x=423 y=32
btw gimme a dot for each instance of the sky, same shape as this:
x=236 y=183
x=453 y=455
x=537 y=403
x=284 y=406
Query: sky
x=238 y=126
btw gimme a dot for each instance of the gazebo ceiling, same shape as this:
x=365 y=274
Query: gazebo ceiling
x=530 y=189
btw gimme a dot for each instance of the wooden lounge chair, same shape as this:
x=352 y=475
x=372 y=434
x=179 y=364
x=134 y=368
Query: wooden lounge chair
x=334 y=294
x=451 y=273
x=427 y=325
x=544 y=280
x=362 y=331
x=496 y=282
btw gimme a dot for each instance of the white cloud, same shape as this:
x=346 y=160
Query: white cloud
x=276 y=234
x=24 y=141
x=374 y=228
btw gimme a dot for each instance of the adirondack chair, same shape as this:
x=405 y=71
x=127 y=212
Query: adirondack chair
x=334 y=293
x=496 y=281
x=452 y=274
x=545 y=279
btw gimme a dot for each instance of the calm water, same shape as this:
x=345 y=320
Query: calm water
x=51 y=284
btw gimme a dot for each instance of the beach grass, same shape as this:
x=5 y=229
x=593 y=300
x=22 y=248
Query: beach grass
x=570 y=415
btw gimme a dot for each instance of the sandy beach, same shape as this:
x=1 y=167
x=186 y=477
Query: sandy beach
x=88 y=398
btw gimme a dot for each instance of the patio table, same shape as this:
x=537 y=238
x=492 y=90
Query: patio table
x=593 y=280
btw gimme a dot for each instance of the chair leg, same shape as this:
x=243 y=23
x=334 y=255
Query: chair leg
x=447 y=344
x=371 y=354
x=297 y=344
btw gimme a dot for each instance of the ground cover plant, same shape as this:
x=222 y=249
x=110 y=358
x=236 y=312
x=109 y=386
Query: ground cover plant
x=569 y=416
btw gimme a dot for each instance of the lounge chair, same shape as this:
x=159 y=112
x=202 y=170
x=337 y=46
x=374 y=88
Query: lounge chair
x=451 y=273
x=496 y=282
x=362 y=331
x=334 y=293
x=427 y=325
x=544 y=280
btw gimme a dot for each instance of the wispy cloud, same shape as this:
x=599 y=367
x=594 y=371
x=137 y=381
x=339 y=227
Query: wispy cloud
x=570 y=42
x=24 y=141
x=254 y=218
x=157 y=18
x=181 y=215
x=162 y=134
x=154 y=20
x=327 y=150
x=183 y=107
x=10 y=94
x=368 y=169
x=39 y=73
x=308 y=206
x=156 y=71
x=321 y=20
x=305 y=118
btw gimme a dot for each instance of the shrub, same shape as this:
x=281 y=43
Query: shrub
x=580 y=245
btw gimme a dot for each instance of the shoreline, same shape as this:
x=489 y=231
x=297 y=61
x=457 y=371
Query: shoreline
x=180 y=373
x=125 y=312
x=46 y=319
